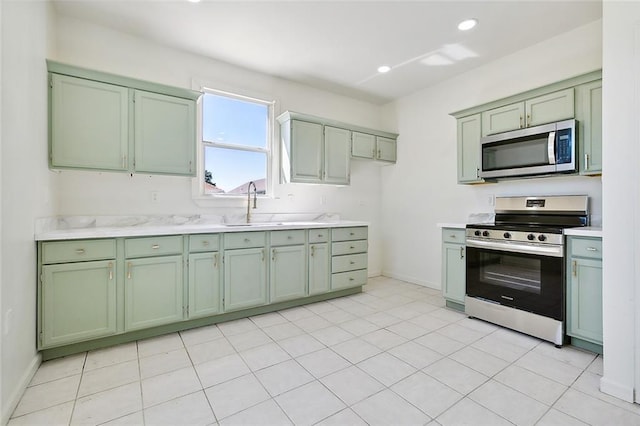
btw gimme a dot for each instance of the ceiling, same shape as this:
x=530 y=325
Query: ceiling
x=338 y=45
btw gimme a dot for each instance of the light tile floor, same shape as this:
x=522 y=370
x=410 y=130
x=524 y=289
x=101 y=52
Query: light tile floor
x=390 y=355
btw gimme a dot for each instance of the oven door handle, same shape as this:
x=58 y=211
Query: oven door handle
x=540 y=250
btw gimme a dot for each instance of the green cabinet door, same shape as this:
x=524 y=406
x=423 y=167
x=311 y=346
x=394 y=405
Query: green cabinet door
x=584 y=319
x=78 y=302
x=288 y=273
x=386 y=149
x=503 y=119
x=245 y=278
x=89 y=124
x=469 y=149
x=204 y=284
x=153 y=292
x=337 y=155
x=453 y=272
x=164 y=134
x=590 y=133
x=306 y=151
x=319 y=268
x=548 y=108
x=363 y=145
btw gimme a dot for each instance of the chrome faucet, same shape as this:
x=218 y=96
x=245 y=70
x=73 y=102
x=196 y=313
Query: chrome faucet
x=255 y=199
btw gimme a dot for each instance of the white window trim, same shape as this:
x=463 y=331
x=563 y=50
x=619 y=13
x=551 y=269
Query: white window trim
x=199 y=194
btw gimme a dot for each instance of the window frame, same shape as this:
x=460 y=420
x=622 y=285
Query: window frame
x=268 y=150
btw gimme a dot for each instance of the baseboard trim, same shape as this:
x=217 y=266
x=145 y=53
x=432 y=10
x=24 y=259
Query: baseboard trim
x=616 y=389
x=14 y=399
x=412 y=280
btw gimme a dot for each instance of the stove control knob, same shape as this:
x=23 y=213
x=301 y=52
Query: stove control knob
x=542 y=237
x=531 y=237
x=506 y=235
x=485 y=233
x=477 y=233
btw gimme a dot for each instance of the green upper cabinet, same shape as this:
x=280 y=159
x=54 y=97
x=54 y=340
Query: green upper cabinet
x=469 y=149
x=317 y=150
x=89 y=124
x=543 y=109
x=363 y=145
x=106 y=122
x=165 y=128
x=589 y=115
x=306 y=151
x=337 y=155
x=386 y=149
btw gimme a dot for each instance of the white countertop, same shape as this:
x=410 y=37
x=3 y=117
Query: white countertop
x=149 y=230
x=585 y=231
x=452 y=225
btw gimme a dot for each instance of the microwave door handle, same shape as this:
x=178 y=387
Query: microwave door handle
x=551 y=148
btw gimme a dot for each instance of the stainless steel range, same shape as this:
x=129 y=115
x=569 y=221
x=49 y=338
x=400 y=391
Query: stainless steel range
x=515 y=267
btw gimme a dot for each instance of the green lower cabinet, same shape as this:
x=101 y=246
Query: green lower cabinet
x=453 y=267
x=205 y=296
x=288 y=273
x=319 y=272
x=245 y=278
x=584 y=299
x=78 y=302
x=153 y=292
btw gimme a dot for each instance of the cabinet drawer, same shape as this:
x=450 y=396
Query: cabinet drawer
x=318 y=235
x=451 y=235
x=349 y=247
x=204 y=243
x=244 y=240
x=350 y=262
x=287 y=238
x=348 y=279
x=349 y=234
x=586 y=247
x=152 y=246
x=78 y=251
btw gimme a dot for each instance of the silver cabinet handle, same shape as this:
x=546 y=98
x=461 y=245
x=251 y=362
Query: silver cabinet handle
x=592 y=249
x=452 y=236
x=352 y=263
x=80 y=251
x=320 y=235
x=247 y=240
x=461 y=252
x=586 y=161
x=528 y=120
x=351 y=247
x=263 y=254
x=574 y=267
x=273 y=255
x=313 y=251
x=215 y=260
x=205 y=243
x=289 y=237
x=110 y=271
x=129 y=270
x=155 y=246
x=351 y=279
x=351 y=233
x=521 y=122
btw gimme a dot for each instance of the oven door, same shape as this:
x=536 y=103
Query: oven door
x=526 y=277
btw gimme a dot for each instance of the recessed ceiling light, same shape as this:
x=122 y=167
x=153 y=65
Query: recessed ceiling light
x=384 y=68
x=467 y=24
x=194 y=1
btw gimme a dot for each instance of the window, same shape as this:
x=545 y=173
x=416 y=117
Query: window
x=236 y=138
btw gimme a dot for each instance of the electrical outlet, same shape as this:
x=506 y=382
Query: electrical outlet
x=154 y=196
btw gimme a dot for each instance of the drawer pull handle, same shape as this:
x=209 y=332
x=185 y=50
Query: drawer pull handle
x=313 y=251
x=461 y=252
x=352 y=263
x=452 y=236
x=351 y=233
x=351 y=279
x=79 y=251
x=320 y=235
x=129 y=270
x=155 y=246
x=110 y=271
x=592 y=249
x=273 y=255
x=289 y=237
x=205 y=243
x=351 y=247
x=215 y=260
x=574 y=267
x=247 y=240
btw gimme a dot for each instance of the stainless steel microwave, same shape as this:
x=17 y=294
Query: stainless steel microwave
x=540 y=150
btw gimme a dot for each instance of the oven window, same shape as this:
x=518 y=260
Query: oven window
x=515 y=272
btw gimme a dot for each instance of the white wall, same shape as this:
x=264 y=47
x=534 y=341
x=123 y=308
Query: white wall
x=92 y=193
x=26 y=30
x=621 y=198
x=421 y=190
